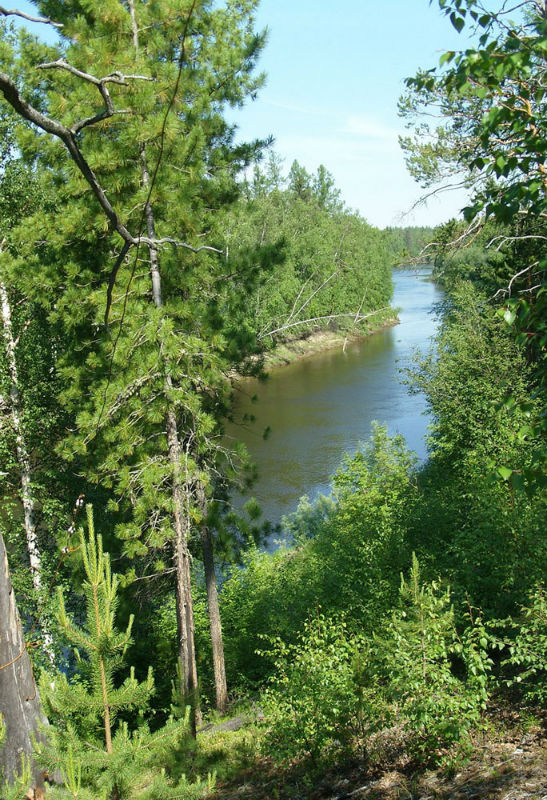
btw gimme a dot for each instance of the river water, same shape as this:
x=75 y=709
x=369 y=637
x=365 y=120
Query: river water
x=321 y=407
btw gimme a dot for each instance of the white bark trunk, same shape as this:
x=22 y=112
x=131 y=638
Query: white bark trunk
x=23 y=459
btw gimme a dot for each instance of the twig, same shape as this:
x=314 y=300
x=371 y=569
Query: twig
x=176 y=243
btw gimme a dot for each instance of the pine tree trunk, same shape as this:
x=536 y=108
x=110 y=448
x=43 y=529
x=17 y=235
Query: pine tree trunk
x=19 y=699
x=23 y=460
x=219 y=669
x=185 y=605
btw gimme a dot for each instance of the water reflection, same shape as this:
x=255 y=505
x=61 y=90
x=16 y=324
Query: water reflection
x=322 y=406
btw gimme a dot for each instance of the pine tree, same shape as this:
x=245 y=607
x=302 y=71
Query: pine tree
x=138 y=271
x=95 y=749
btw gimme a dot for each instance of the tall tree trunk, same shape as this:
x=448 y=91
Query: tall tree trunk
x=23 y=459
x=179 y=489
x=185 y=605
x=215 y=626
x=19 y=699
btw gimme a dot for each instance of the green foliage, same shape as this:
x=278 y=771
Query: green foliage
x=492 y=101
x=527 y=660
x=476 y=364
x=437 y=707
x=480 y=530
x=405 y=244
x=349 y=554
x=117 y=383
x=493 y=105
x=99 y=738
x=333 y=686
x=18 y=787
x=316 y=702
x=335 y=266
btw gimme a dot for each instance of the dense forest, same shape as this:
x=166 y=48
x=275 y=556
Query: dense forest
x=149 y=646
x=335 y=270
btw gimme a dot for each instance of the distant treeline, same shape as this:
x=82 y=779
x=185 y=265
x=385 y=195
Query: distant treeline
x=409 y=243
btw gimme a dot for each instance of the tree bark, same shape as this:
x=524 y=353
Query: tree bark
x=185 y=605
x=23 y=459
x=19 y=699
x=215 y=625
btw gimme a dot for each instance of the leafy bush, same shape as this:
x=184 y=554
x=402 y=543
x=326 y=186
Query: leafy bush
x=527 y=659
x=350 y=551
x=416 y=668
x=314 y=703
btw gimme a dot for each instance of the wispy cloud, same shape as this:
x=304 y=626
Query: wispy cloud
x=368 y=127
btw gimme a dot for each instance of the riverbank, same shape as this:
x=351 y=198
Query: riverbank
x=286 y=352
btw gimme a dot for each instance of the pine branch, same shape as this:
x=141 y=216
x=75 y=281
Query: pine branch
x=68 y=136
x=11 y=93
x=114 y=77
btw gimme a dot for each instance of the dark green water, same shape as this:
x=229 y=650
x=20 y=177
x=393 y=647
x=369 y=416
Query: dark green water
x=321 y=407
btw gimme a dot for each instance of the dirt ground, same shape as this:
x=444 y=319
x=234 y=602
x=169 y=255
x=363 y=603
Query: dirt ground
x=508 y=762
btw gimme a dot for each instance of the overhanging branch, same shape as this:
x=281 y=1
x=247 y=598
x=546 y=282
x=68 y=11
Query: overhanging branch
x=13 y=12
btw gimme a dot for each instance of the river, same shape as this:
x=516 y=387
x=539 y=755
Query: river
x=320 y=407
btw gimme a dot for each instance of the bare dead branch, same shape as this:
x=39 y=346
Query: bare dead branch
x=506 y=290
x=472 y=231
x=531 y=289
x=312 y=295
x=448 y=187
x=13 y=12
x=176 y=243
x=298 y=296
x=327 y=316
x=113 y=77
x=504 y=239
x=23 y=330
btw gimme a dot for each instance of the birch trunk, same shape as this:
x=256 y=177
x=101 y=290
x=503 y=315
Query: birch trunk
x=19 y=699
x=23 y=459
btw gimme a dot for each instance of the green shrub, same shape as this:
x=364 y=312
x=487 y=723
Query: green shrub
x=350 y=552
x=314 y=704
x=527 y=661
x=416 y=668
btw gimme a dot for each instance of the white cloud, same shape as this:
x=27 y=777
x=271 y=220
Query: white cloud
x=368 y=127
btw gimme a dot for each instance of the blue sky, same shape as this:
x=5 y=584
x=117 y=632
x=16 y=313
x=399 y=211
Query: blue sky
x=335 y=70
